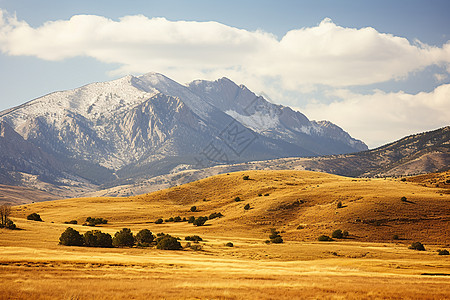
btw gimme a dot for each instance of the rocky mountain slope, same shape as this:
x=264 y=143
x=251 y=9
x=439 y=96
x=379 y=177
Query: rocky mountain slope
x=115 y=132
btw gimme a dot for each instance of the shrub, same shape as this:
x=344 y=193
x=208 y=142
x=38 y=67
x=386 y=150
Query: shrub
x=191 y=219
x=246 y=177
x=71 y=237
x=417 y=246
x=324 y=238
x=95 y=221
x=337 y=234
x=168 y=242
x=123 y=238
x=403 y=199
x=159 y=221
x=145 y=237
x=96 y=238
x=237 y=199
x=403 y=179
x=259 y=195
x=339 y=204
x=34 y=217
x=194 y=238
x=266 y=194
x=275 y=236
x=247 y=206
x=345 y=234
x=10 y=224
x=196 y=247
x=177 y=219
x=200 y=221
x=193 y=208
x=74 y=222
x=395 y=237
x=229 y=244
x=277 y=240
x=215 y=215
x=443 y=252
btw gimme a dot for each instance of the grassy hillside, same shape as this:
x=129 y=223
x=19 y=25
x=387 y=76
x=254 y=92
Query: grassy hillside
x=301 y=204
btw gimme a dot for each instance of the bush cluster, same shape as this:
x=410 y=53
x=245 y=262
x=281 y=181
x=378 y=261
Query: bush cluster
x=246 y=177
x=95 y=221
x=194 y=238
x=34 y=217
x=275 y=236
x=339 y=234
x=96 y=238
x=417 y=246
x=167 y=242
x=324 y=238
x=9 y=224
x=443 y=252
x=74 y=222
x=200 y=221
x=215 y=215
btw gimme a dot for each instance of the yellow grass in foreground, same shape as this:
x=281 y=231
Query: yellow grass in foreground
x=34 y=266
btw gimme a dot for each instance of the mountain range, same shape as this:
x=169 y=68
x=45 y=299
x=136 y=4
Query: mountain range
x=138 y=127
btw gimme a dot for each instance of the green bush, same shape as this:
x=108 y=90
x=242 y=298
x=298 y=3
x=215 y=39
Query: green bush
x=229 y=244
x=215 y=215
x=123 y=238
x=337 y=234
x=324 y=238
x=168 y=242
x=71 y=237
x=247 y=206
x=144 y=237
x=34 y=217
x=443 y=252
x=237 y=199
x=194 y=238
x=246 y=177
x=275 y=236
x=191 y=219
x=74 y=222
x=177 y=219
x=159 y=221
x=95 y=221
x=10 y=224
x=200 y=221
x=417 y=246
x=193 y=208
x=96 y=238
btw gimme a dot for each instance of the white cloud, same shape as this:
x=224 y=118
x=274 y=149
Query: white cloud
x=325 y=54
x=384 y=117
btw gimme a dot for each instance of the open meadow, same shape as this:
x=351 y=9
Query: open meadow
x=373 y=262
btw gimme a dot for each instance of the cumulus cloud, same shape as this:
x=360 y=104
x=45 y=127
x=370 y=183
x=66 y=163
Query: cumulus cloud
x=325 y=54
x=383 y=117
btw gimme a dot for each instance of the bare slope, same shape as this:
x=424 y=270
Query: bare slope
x=303 y=205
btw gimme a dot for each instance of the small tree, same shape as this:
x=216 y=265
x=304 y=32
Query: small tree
x=324 y=238
x=339 y=204
x=71 y=237
x=404 y=199
x=337 y=234
x=168 y=242
x=145 y=237
x=5 y=211
x=159 y=221
x=246 y=177
x=417 y=246
x=275 y=236
x=193 y=208
x=177 y=219
x=247 y=206
x=96 y=238
x=237 y=199
x=191 y=219
x=194 y=238
x=200 y=221
x=34 y=217
x=443 y=252
x=10 y=224
x=229 y=244
x=123 y=238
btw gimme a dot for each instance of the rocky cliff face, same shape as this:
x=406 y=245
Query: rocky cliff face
x=133 y=127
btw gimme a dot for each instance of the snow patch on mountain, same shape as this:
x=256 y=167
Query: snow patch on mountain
x=258 y=122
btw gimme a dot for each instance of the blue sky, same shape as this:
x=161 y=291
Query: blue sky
x=379 y=69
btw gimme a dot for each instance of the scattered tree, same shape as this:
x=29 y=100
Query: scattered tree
x=200 y=221
x=144 y=237
x=34 y=217
x=177 y=219
x=247 y=206
x=237 y=199
x=443 y=252
x=95 y=221
x=191 y=219
x=71 y=237
x=194 y=238
x=275 y=236
x=339 y=204
x=159 y=221
x=337 y=234
x=404 y=199
x=229 y=244
x=10 y=224
x=96 y=238
x=324 y=238
x=5 y=211
x=168 y=242
x=193 y=208
x=215 y=215
x=123 y=238
x=417 y=246
x=246 y=177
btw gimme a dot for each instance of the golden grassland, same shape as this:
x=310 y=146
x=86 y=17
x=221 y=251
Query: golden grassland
x=302 y=205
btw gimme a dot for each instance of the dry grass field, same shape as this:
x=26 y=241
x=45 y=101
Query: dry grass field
x=302 y=205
